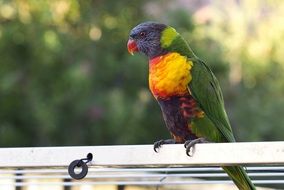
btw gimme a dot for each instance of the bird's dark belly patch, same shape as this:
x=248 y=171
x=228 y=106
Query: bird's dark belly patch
x=178 y=113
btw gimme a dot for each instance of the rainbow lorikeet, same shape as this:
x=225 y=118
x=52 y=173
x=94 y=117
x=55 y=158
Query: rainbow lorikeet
x=187 y=91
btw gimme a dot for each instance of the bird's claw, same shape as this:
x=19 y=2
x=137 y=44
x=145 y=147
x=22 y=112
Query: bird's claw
x=187 y=151
x=190 y=144
x=158 y=145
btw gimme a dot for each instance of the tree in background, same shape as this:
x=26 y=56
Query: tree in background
x=66 y=77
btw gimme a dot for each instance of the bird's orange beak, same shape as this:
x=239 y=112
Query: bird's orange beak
x=132 y=46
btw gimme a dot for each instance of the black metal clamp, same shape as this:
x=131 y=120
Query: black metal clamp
x=82 y=163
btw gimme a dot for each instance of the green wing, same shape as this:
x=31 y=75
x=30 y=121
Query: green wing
x=205 y=89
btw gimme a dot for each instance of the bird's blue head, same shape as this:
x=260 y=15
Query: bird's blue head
x=146 y=38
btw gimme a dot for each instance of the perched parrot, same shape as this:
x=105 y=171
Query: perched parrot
x=187 y=91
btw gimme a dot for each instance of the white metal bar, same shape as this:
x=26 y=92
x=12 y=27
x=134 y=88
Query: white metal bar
x=30 y=171
x=101 y=170
x=144 y=183
x=133 y=176
x=133 y=155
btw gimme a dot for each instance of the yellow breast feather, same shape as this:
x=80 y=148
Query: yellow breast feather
x=169 y=75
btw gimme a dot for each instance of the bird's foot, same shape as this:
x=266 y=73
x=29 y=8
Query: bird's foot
x=159 y=143
x=190 y=144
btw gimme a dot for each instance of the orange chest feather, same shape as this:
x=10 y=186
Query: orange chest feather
x=169 y=75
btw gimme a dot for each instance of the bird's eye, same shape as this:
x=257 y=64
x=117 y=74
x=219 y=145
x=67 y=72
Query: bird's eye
x=142 y=34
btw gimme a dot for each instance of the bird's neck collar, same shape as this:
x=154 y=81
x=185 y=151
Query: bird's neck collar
x=155 y=60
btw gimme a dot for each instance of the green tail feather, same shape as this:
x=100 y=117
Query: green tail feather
x=239 y=177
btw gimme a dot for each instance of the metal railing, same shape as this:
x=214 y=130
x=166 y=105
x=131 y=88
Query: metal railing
x=140 y=165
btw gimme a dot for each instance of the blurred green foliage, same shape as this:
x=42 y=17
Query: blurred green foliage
x=66 y=77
